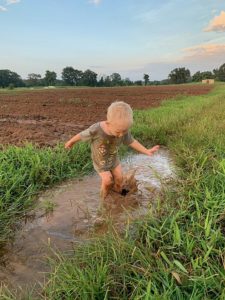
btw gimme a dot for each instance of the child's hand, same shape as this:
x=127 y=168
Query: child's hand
x=68 y=145
x=153 y=150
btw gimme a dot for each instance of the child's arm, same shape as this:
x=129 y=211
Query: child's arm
x=140 y=148
x=72 y=141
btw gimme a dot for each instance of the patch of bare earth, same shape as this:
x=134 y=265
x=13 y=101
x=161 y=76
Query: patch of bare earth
x=46 y=117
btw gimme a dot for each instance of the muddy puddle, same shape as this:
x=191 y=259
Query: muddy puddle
x=75 y=216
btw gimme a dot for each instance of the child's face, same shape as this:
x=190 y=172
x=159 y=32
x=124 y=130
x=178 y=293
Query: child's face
x=118 y=129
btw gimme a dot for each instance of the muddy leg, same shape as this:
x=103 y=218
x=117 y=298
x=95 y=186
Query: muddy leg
x=107 y=181
x=118 y=178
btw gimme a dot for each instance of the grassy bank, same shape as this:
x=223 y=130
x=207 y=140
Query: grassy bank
x=178 y=254
x=25 y=171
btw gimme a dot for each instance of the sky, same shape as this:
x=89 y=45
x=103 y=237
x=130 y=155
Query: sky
x=131 y=37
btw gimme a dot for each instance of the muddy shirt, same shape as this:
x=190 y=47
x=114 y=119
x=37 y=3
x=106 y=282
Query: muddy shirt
x=104 y=147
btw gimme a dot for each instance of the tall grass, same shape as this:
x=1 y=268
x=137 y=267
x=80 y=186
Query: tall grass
x=178 y=253
x=25 y=171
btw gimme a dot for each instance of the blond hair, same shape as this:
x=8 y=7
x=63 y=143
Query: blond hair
x=121 y=112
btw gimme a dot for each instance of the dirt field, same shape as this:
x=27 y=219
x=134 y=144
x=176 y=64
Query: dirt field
x=46 y=117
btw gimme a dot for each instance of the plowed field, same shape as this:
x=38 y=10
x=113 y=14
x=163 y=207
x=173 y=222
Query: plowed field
x=46 y=117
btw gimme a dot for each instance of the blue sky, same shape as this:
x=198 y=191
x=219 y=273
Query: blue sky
x=131 y=37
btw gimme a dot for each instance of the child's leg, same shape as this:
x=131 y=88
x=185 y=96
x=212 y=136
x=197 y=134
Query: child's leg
x=118 y=178
x=107 y=181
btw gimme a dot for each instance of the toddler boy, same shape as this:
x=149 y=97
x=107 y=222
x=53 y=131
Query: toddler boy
x=105 y=138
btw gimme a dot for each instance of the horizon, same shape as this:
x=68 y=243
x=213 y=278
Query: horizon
x=108 y=37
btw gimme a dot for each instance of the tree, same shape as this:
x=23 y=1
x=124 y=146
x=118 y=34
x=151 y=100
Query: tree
x=89 y=78
x=78 y=76
x=146 y=79
x=199 y=76
x=138 y=82
x=179 y=75
x=220 y=73
x=68 y=75
x=8 y=77
x=34 y=79
x=50 y=78
x=101 y=81
x=115 y=79
x=108 y=81
x=71 y=76
x=127 y=82
x=216 y=74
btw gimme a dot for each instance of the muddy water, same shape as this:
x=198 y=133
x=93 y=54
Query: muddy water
x=76 y=217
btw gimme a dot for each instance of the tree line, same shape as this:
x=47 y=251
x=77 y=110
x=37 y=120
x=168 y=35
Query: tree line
x=74 y=77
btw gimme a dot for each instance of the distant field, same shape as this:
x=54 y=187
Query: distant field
x=49 y=116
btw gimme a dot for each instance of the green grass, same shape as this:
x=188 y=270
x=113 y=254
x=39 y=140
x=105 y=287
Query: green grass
x=176 y=254
x=25 y=171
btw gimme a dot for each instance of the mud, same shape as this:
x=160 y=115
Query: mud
x=75 y=217
x=46 y=117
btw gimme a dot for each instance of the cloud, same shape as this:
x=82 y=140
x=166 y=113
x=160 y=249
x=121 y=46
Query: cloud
x=217 y=23
x=9 y=2
x=213 y=11
x=2 y=8
x=203 y=57
x=204 y=51
x=96 y=2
